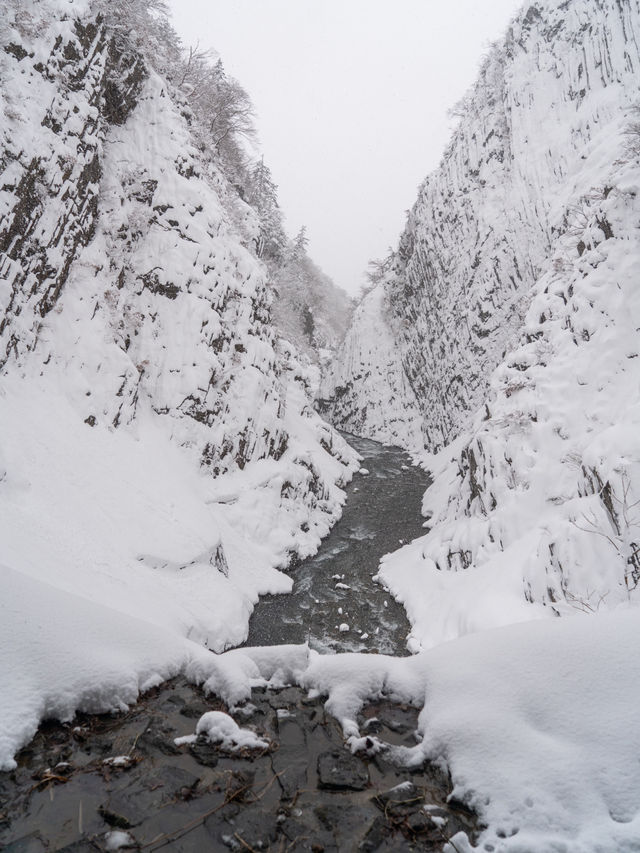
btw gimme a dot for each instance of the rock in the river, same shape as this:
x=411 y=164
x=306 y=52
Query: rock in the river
x=32 y=843
x=341 y=771
x=204 y=752
x=129 y=807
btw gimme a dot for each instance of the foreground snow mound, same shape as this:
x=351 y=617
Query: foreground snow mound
x=61 y=652
x=537 y=724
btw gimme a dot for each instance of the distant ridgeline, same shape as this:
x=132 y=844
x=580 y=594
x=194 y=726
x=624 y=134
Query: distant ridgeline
x=510 y=314
x=141 y=248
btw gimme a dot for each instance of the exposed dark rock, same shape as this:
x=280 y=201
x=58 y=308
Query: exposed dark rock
x=16 y=50
x=341 y=771
x=131 y=805
x=219 y=560
x=155 y=737
x=290 y=760
x=151 y=281
x=194 y=710
x=32 y=843
x=375 y=836
x=253 y=829
x=146 y=191
x=205 y=752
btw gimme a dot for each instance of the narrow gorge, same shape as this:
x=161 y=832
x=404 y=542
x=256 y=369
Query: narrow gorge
x=285 y=570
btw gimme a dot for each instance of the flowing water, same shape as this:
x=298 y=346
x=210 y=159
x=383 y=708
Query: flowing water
x=335 y=605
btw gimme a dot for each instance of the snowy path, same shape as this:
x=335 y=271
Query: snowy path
x=335 y=604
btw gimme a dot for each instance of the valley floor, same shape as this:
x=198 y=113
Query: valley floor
x=531 y=727
x=334 y=605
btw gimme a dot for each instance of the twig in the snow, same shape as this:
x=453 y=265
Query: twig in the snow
x=584 y=604
x=296 y=840
x=448 y=840
x=268 y=785
x=163 y=840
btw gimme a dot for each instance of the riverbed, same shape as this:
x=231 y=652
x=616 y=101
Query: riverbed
x=120 y=781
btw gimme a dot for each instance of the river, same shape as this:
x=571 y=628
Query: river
x=335 y=605
x=102 y=781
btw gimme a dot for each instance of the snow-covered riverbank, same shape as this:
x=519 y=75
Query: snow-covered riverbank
x=535 y=722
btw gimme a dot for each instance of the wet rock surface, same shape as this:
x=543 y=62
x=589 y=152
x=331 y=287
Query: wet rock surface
x=334 y=604
x=120 y=779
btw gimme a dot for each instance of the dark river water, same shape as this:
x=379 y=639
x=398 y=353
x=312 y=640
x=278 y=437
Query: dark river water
x=335 y=605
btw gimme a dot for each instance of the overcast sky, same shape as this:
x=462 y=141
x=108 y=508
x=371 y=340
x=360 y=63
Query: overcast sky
x=351 y=99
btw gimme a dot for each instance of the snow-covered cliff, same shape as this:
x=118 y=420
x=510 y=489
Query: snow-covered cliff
x=365 y=391
x=512 y=302
x=159 y=453
x=534 y=510
x=540 y=128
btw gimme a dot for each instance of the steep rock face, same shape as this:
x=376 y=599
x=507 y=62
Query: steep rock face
x=534 y=510
x=535 y=135
x=365 y=390
x=135 y=328
x=75 y=81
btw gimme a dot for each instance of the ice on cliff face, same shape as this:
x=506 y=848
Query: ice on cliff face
x=159 y=453
x=512 y=299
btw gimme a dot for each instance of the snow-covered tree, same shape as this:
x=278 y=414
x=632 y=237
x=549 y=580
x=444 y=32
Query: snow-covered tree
x=262 y=195
x=300 y=243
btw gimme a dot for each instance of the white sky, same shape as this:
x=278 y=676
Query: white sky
x=351 y=99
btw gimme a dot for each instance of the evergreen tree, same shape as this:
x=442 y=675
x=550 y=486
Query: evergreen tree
x=263 y=197
x=300 y=244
